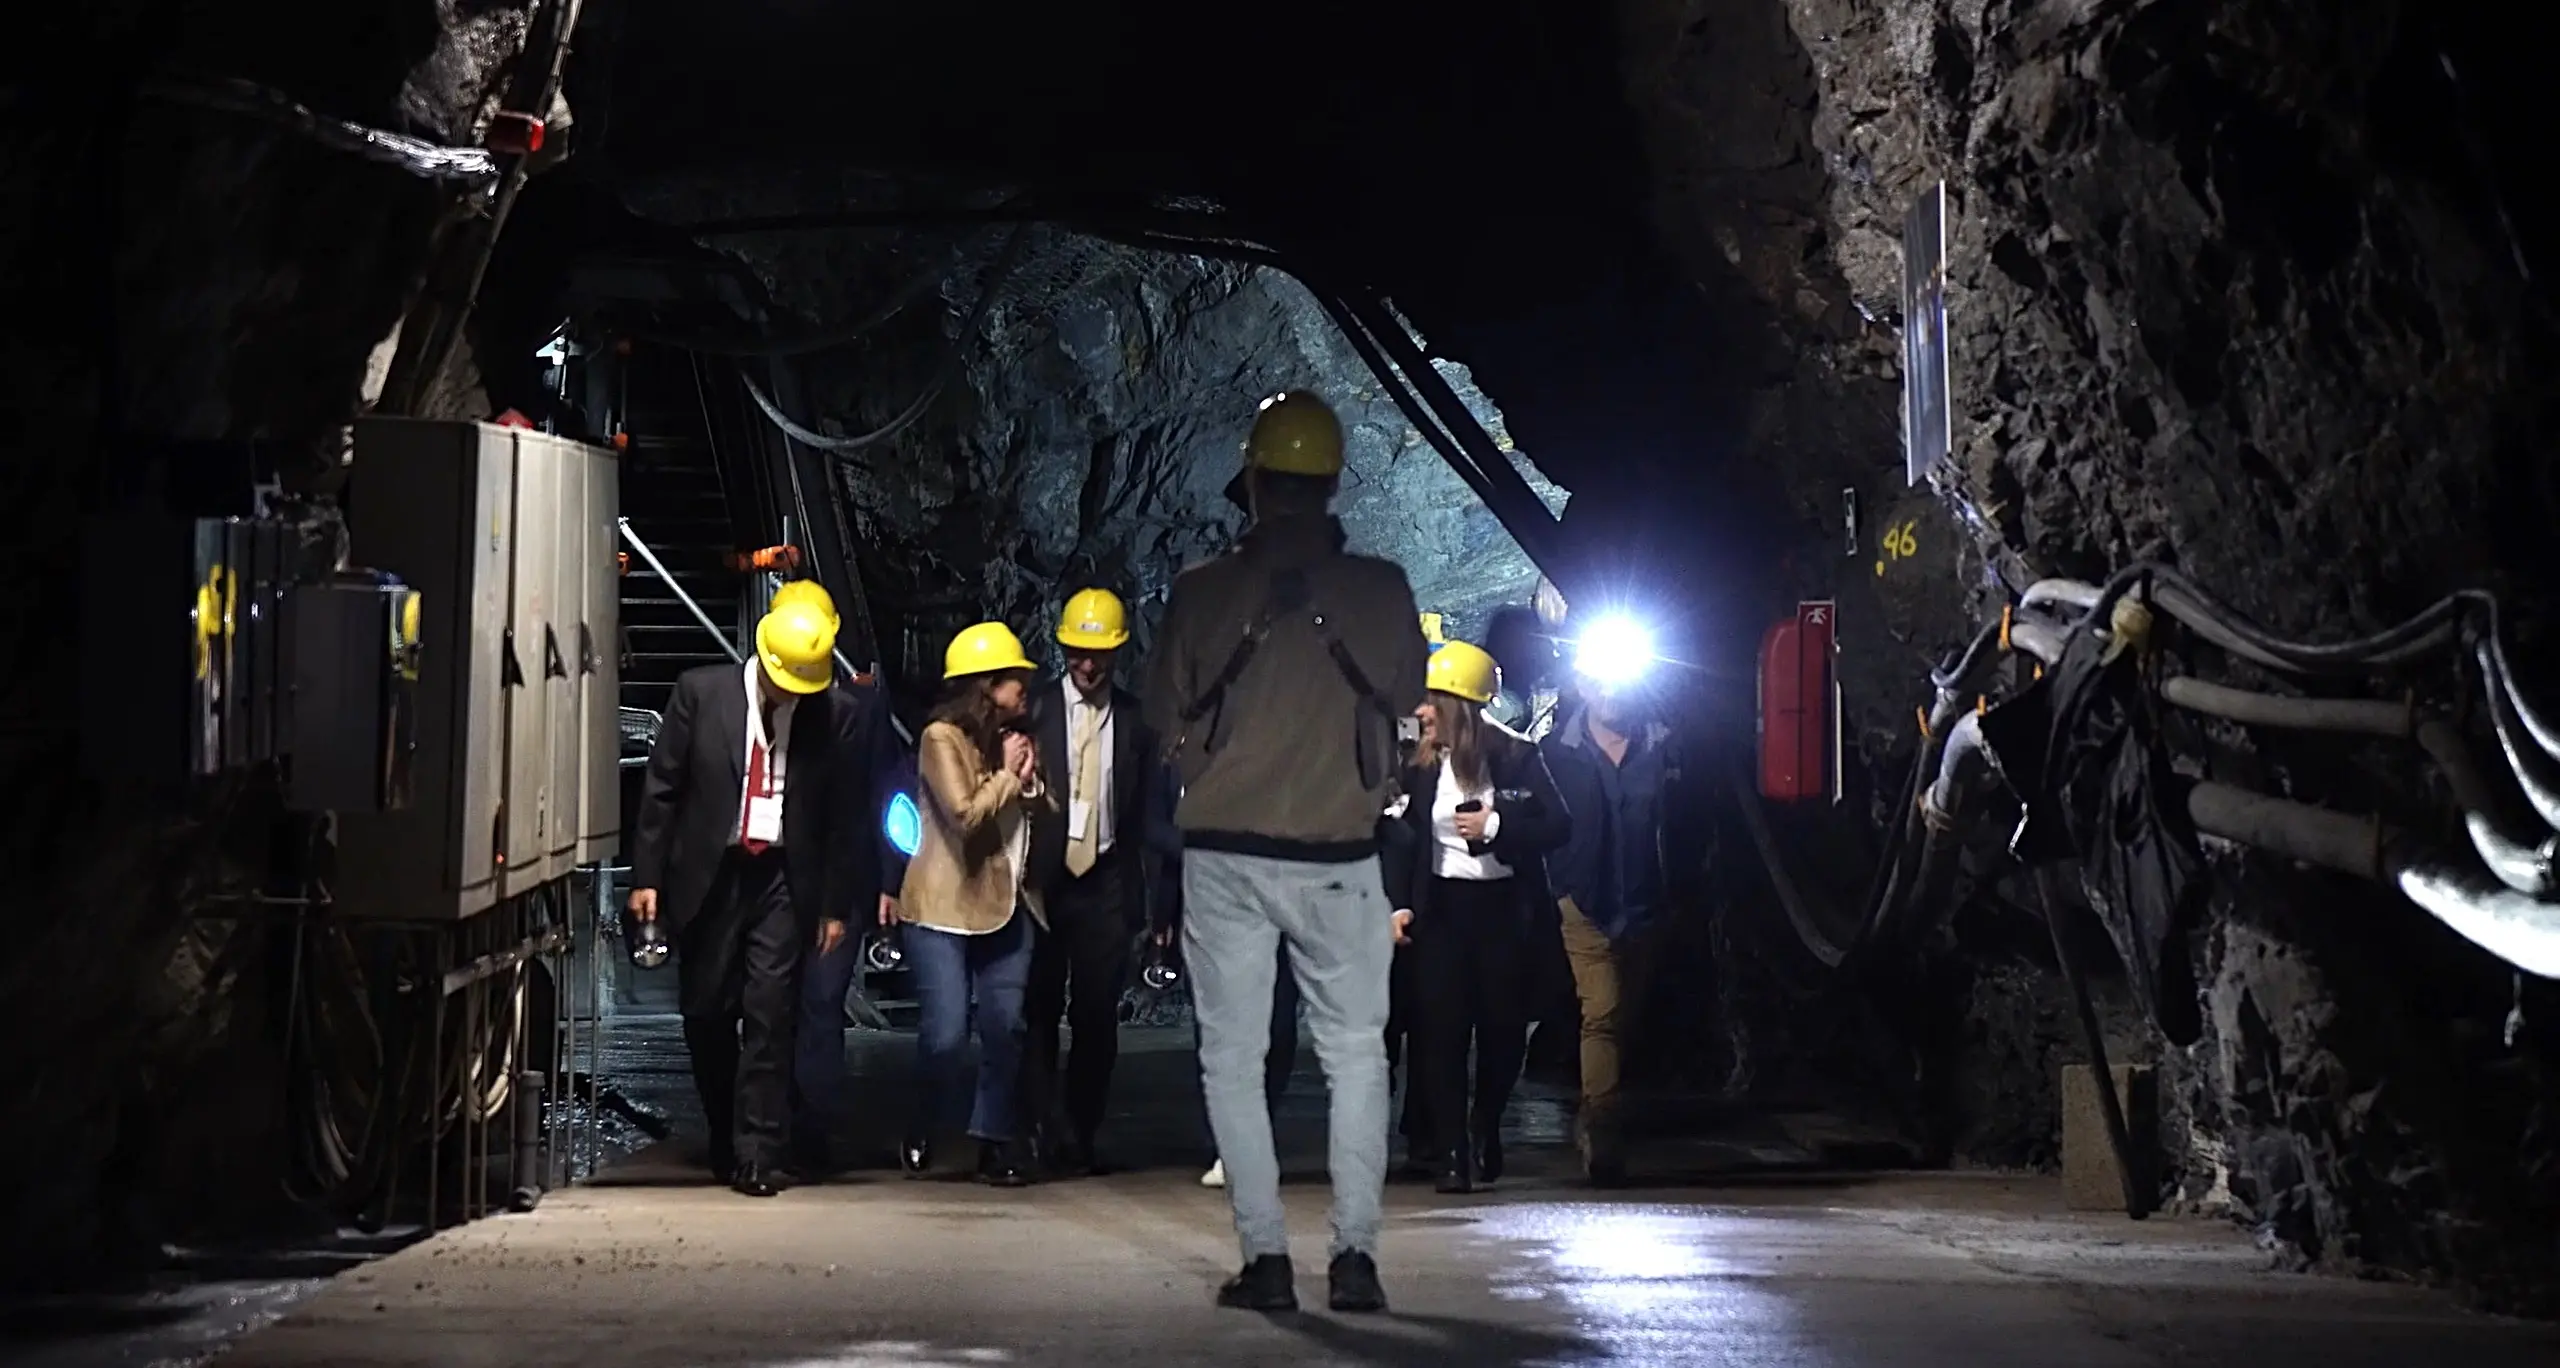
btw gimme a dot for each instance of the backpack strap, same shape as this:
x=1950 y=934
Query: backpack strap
x=1286 y=594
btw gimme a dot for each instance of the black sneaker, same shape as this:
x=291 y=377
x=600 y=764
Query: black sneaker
x=1353 y=1283
x=1266 y=1284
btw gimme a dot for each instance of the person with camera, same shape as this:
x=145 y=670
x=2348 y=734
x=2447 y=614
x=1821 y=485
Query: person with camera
x=1470 y=888
x=1277 y=679
x=1164 y=919
x=971 y=920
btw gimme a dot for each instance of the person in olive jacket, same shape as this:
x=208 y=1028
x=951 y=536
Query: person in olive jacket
x=1483 y=813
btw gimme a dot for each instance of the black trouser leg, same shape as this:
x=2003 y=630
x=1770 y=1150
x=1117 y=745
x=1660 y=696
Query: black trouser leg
x=777 y=948
x=1044 y=1006
x=1078 y=970
x=1402 y=1052
x=1097 y=930
x=1443 y=1020
x=710 y=976
x=1466 y=992
x=1501 y=1014
x=739 y=988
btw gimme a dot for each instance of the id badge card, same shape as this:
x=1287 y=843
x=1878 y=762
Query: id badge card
x=764 y=819
x=1079 y=812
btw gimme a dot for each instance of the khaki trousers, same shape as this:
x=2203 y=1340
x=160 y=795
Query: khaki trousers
x=1611 y=983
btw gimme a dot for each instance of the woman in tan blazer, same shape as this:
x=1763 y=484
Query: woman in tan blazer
x=970 y=919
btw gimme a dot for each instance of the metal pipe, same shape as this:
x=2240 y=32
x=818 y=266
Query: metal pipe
x=2530 y=765
x=2544 y=733
x=651 y=559
x=2520 y=862
x=1513 y=503
x=2362 y=716
x=2073 y=594
x=2520 y=930
x=2313 y=835
x=527 y=1159
x=1964 y=754
x=2516 y=927
x=2037 y=639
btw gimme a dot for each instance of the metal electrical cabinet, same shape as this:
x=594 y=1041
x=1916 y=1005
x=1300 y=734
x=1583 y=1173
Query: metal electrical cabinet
x=535 y=671
x=491 y=525
x=600 y=662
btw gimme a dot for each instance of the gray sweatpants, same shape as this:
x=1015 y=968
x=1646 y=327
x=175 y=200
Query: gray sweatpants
x=1236 y=909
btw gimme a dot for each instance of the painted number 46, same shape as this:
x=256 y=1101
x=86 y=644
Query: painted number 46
x=1899 y=543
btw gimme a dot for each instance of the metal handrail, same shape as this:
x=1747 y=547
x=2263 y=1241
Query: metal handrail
x=736 y=656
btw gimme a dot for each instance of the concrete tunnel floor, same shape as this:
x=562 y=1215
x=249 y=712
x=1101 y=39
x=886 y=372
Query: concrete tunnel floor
x=651 y=1265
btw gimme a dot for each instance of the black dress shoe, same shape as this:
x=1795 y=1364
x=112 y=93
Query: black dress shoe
x=1451 y=1173
x=916 y=1156
x=754 y=1180
x=811 y=1162
x=1266 y=1284
x=1489 y=1160
x=1002 y=1165
x=1353 y=1283
x=1071 y=1156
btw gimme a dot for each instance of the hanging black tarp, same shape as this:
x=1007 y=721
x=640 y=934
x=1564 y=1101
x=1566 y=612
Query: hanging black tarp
x=2081 y=749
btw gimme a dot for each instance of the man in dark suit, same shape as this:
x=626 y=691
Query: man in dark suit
x=1088 y=862
x=752 y=844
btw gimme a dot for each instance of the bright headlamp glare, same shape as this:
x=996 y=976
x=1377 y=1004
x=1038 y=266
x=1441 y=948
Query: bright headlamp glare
x=1614 y=651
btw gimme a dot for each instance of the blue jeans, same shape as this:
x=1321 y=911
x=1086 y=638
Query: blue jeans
x=1283 y=1059
x=817 y=1074
x=1238 y=911
x=950 y=971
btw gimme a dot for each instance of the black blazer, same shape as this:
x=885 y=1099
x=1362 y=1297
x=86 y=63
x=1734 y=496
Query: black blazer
x=1135 y=773
x=1534 y=822
x=689 y=799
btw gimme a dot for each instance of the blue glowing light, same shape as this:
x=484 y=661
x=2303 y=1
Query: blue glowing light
x=903 y=825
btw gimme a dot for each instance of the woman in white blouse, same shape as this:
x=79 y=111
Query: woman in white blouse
x=1469 y=888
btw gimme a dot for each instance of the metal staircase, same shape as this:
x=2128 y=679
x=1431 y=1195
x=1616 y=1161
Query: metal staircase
x=675 y=500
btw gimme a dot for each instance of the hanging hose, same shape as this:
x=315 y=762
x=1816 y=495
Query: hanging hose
x=2137 y=1198
x=946 y=371
x=828 y=340
x=1808 y=930
x=811 y=437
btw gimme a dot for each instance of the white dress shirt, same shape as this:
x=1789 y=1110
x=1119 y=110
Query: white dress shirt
x=1077 y=709
x=777 y=752
x=1449 y=856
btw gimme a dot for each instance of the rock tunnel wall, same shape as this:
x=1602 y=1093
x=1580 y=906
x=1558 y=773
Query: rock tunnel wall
x=1093 y=421
x=206 y=288
x=2229 y=286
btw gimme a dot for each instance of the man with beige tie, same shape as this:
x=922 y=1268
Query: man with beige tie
x=1088 y=860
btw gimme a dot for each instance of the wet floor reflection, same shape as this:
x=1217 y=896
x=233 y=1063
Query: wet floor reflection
x=1642 y=1285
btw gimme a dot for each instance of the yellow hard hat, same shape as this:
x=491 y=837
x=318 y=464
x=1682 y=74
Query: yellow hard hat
x=1295 y=434
x=807 y=593
x=1094 y=620
x=1465 y=670
x=798 y=648
x=984 y=649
